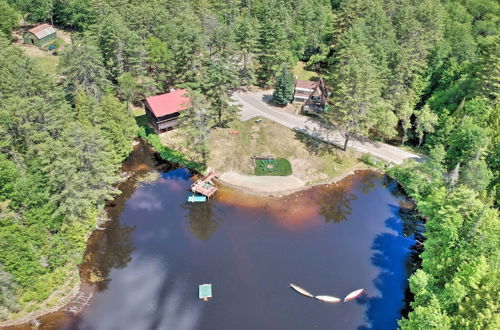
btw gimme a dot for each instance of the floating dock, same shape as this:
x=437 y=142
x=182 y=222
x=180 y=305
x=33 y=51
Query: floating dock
x=205 y=291
x=196 y=198
x=205 y=185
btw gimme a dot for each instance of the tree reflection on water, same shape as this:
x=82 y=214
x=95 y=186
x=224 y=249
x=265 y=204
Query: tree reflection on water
x=106 y=250
x=202 y=219
x=335 y=204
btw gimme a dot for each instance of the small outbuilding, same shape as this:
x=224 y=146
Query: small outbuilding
x=163 y=110
x=40 y=35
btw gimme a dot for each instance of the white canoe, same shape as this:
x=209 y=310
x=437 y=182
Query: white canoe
x=353 y=295
x=301 y=291
x=328 y=299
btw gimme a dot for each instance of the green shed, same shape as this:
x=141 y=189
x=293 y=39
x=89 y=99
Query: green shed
x=40 y=35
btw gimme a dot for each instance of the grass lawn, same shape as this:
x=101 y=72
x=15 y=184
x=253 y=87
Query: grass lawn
x=312 y=161
x=274 y=167
x=302 y=74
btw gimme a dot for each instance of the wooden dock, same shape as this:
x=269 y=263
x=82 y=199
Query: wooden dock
x=205 y=185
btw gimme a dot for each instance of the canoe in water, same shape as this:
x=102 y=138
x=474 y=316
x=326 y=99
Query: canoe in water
x=353 y=295
x=328 y=299
x=301 y=291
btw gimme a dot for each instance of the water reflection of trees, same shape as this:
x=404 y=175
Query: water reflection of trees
x=335 y=204
x=109 y=249
x=202 y=219
x=368 y=181
x=391 y=258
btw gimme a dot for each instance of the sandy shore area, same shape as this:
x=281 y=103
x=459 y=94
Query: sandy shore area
x=262 y=185
x=274 y=185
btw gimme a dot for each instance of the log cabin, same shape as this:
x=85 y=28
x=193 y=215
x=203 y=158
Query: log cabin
x=163 y=110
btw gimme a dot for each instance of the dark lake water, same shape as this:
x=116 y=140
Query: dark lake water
x=330 y=240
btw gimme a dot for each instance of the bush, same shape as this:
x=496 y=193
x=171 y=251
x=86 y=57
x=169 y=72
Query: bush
x=367 y=159
x=273 y=167
x=146 y=133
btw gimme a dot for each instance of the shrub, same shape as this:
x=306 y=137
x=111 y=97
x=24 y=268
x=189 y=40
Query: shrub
x=367 y=159
x=273 y=167
x=146 y=133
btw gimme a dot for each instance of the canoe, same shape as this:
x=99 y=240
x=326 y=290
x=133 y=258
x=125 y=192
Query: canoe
x=301 y=291
x=328 y=299
x=353 y=295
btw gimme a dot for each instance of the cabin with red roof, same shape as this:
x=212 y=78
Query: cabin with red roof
x=312 y=94
x=163 y=110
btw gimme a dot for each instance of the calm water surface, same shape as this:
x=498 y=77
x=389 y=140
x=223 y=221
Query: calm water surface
x=330 y=240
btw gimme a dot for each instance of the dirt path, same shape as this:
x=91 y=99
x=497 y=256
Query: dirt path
x=253 y=104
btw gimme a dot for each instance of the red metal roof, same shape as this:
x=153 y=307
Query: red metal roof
x=166 y=104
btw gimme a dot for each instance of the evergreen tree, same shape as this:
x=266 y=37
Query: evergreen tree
x=82 y=68
x=284 y=89
x=274 y=51
x=357 y=83
x=197 y=122
x=220 y=78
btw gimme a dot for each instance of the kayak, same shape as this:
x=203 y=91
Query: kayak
x=301 y=291
x=328 y=299
x=353 y=295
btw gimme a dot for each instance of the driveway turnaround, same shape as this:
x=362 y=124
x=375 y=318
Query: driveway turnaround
x=253 y=104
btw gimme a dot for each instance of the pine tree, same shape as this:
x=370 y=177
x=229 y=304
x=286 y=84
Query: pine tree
x=284 y=89
x=82 y=68
x=357 y=89
x=197 y=122
x=274 y=51
x=220 y=78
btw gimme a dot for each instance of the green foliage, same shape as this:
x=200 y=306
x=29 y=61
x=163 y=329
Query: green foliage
x=273 y=167
x=358 y=86
x=170 y=155
x=9 y=19
x=58 y=166
x=7 y=294
x=197 y=122
x=284 y=88
x=82 y=68
x=457 y=283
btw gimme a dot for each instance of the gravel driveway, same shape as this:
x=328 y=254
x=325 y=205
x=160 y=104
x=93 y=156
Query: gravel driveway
x=253 y=104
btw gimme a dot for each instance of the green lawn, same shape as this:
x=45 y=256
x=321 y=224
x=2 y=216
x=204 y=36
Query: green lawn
x=303 y=74
x=275 y=167
x=48 y=63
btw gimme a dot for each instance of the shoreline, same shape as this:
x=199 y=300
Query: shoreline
x=31 y=317
x=250 y=189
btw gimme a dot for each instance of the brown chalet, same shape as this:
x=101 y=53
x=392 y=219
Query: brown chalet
x=163 y=110
x=313 y=94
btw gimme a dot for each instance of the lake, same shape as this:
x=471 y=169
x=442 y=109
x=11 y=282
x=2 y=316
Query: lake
x=330 y=240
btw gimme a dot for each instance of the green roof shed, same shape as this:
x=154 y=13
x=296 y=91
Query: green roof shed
x=40 y=35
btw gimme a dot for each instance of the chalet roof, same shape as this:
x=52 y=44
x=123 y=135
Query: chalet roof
x=41 y=31
x=306 y=84
x=166 y=104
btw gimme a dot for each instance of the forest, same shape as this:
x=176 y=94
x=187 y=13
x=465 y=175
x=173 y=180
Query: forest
x=422 y=74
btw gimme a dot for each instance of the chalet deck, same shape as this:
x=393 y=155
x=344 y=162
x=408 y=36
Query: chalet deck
x=205 y=185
